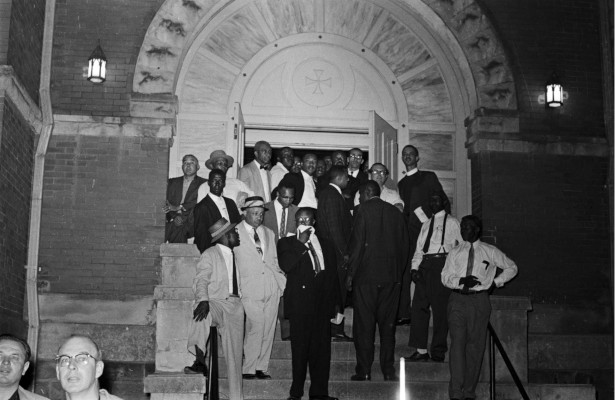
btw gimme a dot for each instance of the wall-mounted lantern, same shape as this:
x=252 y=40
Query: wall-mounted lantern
x=554 y=94
x=97 y=65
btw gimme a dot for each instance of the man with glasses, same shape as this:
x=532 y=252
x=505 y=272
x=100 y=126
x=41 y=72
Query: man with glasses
x=356 y=177
x=380 y=174
x=78 y=366
x=14 y=362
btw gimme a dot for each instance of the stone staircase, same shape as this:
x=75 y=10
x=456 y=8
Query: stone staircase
x=423 y=380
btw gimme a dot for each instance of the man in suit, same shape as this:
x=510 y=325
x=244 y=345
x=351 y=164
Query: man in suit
x=15 y=356
x=262 y=285
x=234 y=189
x=213 y=207
x=356 y=176
x=470 y=272
x=438 y=236
x=217 y=290
x=303 y=182
x=255 y=173
x=334 y=223
x=282 y=167
x=415 y=189
x=379 y=254
x=281 y=220
x=311 y=299
x=181 y=199
x=379 y=173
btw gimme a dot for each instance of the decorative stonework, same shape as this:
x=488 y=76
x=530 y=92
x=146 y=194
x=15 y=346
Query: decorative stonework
x=317 y=82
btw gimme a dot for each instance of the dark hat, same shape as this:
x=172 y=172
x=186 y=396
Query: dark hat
x=254 y=202
x=218 y=229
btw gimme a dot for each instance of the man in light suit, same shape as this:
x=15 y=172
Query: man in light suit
x=281 y=220
x=217 y=291
x=255 y=174
x=15 y=360
x=263 y=283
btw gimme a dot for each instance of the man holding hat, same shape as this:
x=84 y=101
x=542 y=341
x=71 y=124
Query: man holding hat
x=234 y=189
x=263 y=284
x=217 y=291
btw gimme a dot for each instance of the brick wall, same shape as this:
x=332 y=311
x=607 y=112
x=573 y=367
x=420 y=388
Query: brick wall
x=5 y=23
x=102 y=223
x=26 y=43
x=549 y=214
x=16 y=161
x=120 y=25
x=543 y=36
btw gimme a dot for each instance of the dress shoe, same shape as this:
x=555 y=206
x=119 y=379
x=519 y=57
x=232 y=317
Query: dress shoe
x=262 y=375
x=359 y=378
x=391 y=377
x=418 y=357
x=248 y=376
x=402 y=321
x=437 y=358
x=341 y=337
x=196 y=368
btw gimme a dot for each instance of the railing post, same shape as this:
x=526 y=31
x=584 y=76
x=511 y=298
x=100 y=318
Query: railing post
x=491 y=367
x=213 y=392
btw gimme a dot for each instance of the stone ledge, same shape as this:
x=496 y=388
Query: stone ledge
x=174 y=383
x=510 y=303
x=566 y=352
x=179 y=250
x=173 y=293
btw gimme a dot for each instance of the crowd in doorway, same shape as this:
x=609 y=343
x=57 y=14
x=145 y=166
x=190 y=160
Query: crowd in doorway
x=300 y=240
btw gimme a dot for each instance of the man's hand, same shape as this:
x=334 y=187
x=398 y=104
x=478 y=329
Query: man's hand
x=469 y=281
x=349 y=283
x=168 y=207
x=305 y=235
x=201 y=311
x=416 y=276
x=178 y=221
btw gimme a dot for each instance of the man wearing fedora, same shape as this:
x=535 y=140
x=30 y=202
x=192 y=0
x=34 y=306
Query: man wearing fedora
x=217 y=292
x=234 y=189
x=263 y=283
x=181 y=199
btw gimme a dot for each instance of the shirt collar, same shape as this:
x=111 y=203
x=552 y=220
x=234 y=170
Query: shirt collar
x=353 y=173
x=305 y=175
x=412 y=172
x=249 y=227
x=224 y=249
x=440 y=213
x=336 y=187
x=215 y=198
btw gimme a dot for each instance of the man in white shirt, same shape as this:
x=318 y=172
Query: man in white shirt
x=438 y=236
x=380 y=174
x=282 y=167
x=255 y=173
x=303 y=182
x=469 y=272
x=234 y=189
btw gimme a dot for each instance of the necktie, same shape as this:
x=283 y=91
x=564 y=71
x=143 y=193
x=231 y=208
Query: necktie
x=317 y=266
x=282 y=232
x=235 y=285
x=469 y=267
x=429 y=234
x=257 y=241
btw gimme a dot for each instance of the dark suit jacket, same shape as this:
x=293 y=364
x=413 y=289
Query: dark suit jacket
x=271 y=219
x=294 y=179
x=353 y=186
x=378 y=247
x=206 y=213
x=307 y=293
x=175 y=187
x=333 y=220
x=415 y=191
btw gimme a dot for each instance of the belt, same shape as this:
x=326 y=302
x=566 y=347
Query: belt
x=469 y=293
x=434 y=255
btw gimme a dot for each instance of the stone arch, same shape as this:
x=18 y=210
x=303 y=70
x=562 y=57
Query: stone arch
x=445 y=58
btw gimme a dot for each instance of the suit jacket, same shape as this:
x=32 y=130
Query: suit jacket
x=271 y=219
x=333 y=221
x=353 y=187
x=206 y=214
x=175 y=187
x=211 y=280
x=251 y=176
x=252 y=266
x=294 y=179
x=378 y=247
x=415 y=191
x=27 y=395
x=307 y=293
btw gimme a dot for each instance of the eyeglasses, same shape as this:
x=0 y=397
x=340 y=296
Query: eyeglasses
x=80 y=359
x=356 y=157
x=379 y=172
x=304 y=220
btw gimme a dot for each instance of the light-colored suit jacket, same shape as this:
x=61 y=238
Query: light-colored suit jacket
x=250 y=174
x=211 y=280
x=26 y=395
x=271 y=219
x=252 y=266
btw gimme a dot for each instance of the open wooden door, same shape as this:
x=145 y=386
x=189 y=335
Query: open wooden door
x=384 y=146
x=239 y=137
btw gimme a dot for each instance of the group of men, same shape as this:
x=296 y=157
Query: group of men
x=78 y=366
x=323 y=243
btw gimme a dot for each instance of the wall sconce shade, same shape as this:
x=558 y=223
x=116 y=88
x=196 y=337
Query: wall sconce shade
x=554 y=92
x=97 y=65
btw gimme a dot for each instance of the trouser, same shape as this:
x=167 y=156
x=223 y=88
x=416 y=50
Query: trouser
x=375 y=304
x=430 y=296
x=468 y=316
x=406 y=282
x=284 y=322
x=342 y=272
x=260 y=328
x=311 y=348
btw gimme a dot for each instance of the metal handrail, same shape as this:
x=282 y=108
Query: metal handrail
x=494 y=342
x=213 y=392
